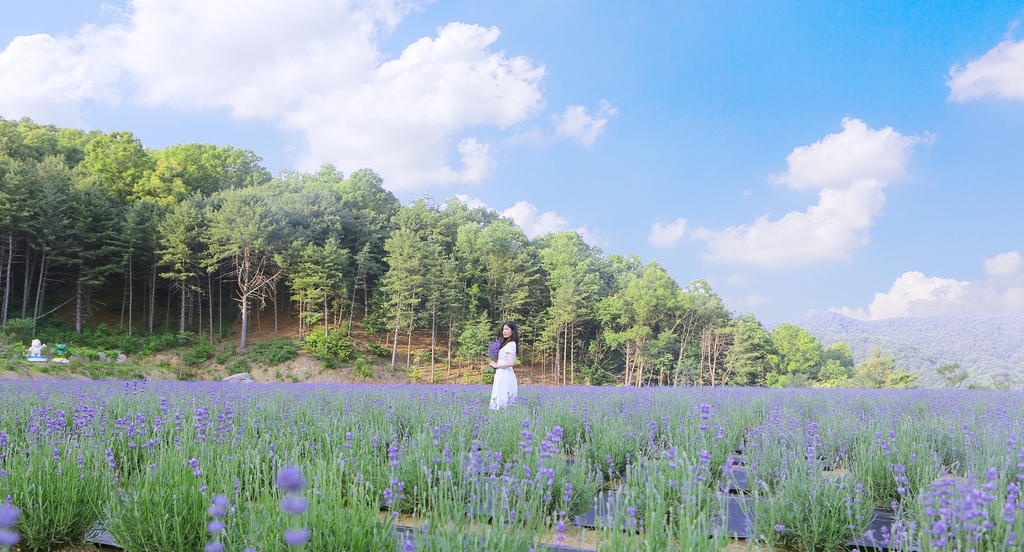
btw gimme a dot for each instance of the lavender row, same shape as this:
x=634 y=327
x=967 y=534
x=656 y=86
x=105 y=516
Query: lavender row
x=182 y=466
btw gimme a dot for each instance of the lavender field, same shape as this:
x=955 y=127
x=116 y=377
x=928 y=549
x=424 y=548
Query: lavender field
x=193 y=466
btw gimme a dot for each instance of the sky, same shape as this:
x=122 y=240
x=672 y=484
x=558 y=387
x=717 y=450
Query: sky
x=860 y=157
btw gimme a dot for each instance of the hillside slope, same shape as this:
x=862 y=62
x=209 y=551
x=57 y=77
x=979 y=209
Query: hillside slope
x=987 y=346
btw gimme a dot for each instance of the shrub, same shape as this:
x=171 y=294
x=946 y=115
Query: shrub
x=378 y=350
x=362 y=368
x=273 y=351
x=204 y=350
x=227 y=353
x=238 y=366
x=331 y=349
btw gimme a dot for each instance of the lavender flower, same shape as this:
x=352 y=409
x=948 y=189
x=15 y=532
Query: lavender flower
x=290 y=479
x=296 y=537
x=8 y=516
x=294 y=505
x=493 y=348
x=8 y=538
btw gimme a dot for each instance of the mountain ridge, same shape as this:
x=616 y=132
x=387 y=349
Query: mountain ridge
x=988 y=347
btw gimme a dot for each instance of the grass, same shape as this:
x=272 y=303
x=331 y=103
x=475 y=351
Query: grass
x=820 y=461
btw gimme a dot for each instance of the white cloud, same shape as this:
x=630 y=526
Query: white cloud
x=533 y=222
x=755 y=299
x=667 y=235
x=1000 y=73
x=471 y=202
x=850 y=170
x=736 y=279
x=856 y=153
x=1004 y=265
x=577 y=124
x=311 y=66
x=914 y=294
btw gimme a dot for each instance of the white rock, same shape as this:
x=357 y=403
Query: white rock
x=244 y=377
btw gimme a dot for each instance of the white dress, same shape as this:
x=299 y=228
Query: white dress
x=506 y=388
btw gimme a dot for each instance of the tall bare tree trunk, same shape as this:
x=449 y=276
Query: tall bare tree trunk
x=433 y=339
x=7 y=280
x=40 y=293
x=245 y=323
x=152 y=298
x=131 y=293
x=184 y=298
x=209 y=302
x=78 y=303
x=30 y=266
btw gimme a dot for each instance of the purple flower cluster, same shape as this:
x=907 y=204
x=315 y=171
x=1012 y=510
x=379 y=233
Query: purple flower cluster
x=217 y=510
x=493 y=348
x=290 y=480
x=8 y=517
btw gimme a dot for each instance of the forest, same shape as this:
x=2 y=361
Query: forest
x=89 y=218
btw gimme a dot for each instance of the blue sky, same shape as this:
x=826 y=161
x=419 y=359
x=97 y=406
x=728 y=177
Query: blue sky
x=881 y=142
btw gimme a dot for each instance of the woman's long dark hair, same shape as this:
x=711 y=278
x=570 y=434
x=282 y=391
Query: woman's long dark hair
x=515 y=333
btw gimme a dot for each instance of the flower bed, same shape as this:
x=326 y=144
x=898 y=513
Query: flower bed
x=649 y=468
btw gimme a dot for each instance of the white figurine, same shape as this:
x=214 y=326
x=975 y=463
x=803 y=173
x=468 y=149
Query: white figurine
x=35 y=352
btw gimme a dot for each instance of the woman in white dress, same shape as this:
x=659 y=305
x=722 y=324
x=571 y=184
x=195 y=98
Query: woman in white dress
x=506 y=388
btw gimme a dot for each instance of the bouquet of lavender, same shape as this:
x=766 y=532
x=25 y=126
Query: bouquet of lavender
x=493 y=348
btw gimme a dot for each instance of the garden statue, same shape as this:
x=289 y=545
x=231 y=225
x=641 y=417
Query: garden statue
x=61 y=350
x=35 y=352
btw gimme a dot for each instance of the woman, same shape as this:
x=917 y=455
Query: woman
x=506 y=388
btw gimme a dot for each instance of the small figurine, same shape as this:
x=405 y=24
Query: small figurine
x=35 y=352
x=61 y=350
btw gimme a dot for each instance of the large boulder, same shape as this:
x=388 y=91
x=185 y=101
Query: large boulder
x=244 y=377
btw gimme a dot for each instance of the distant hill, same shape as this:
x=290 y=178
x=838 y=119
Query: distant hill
x=986 y=346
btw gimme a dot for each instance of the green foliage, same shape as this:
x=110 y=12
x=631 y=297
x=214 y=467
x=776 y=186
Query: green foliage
x=378 y=350
x=877 y=372
x=362 y=368
x=239 y=366
x=224 y=355
x=331 y=349
x=951 y=375
x=799 y=351
x=270 y=352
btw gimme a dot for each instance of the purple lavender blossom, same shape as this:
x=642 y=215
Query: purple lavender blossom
x=296 y=537
x=294 y=505
x=8 y=516
x=8 y=538
x=214 y=547
x=290 y=479
x=493 y=348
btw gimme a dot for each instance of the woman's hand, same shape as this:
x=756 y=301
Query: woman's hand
x=492 y=364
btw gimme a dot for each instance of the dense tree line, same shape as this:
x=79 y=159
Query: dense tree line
x=207 y=229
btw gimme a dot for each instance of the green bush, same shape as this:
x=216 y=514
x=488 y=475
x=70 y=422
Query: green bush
x=273 y=351
x=189 y=358
x=362 y=368
x=238 y=366
x=378 y=350
x=204 y=350
x=227 y=353
x=331 y=349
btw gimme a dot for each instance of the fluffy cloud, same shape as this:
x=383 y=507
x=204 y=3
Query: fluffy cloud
x=1000 y=73
x=311 y=66
x=850 y=170
x=1004 y=265
x=577 y=124
x=839 y=160
x=914 y=294
x=532 y=221
x=667 y=235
